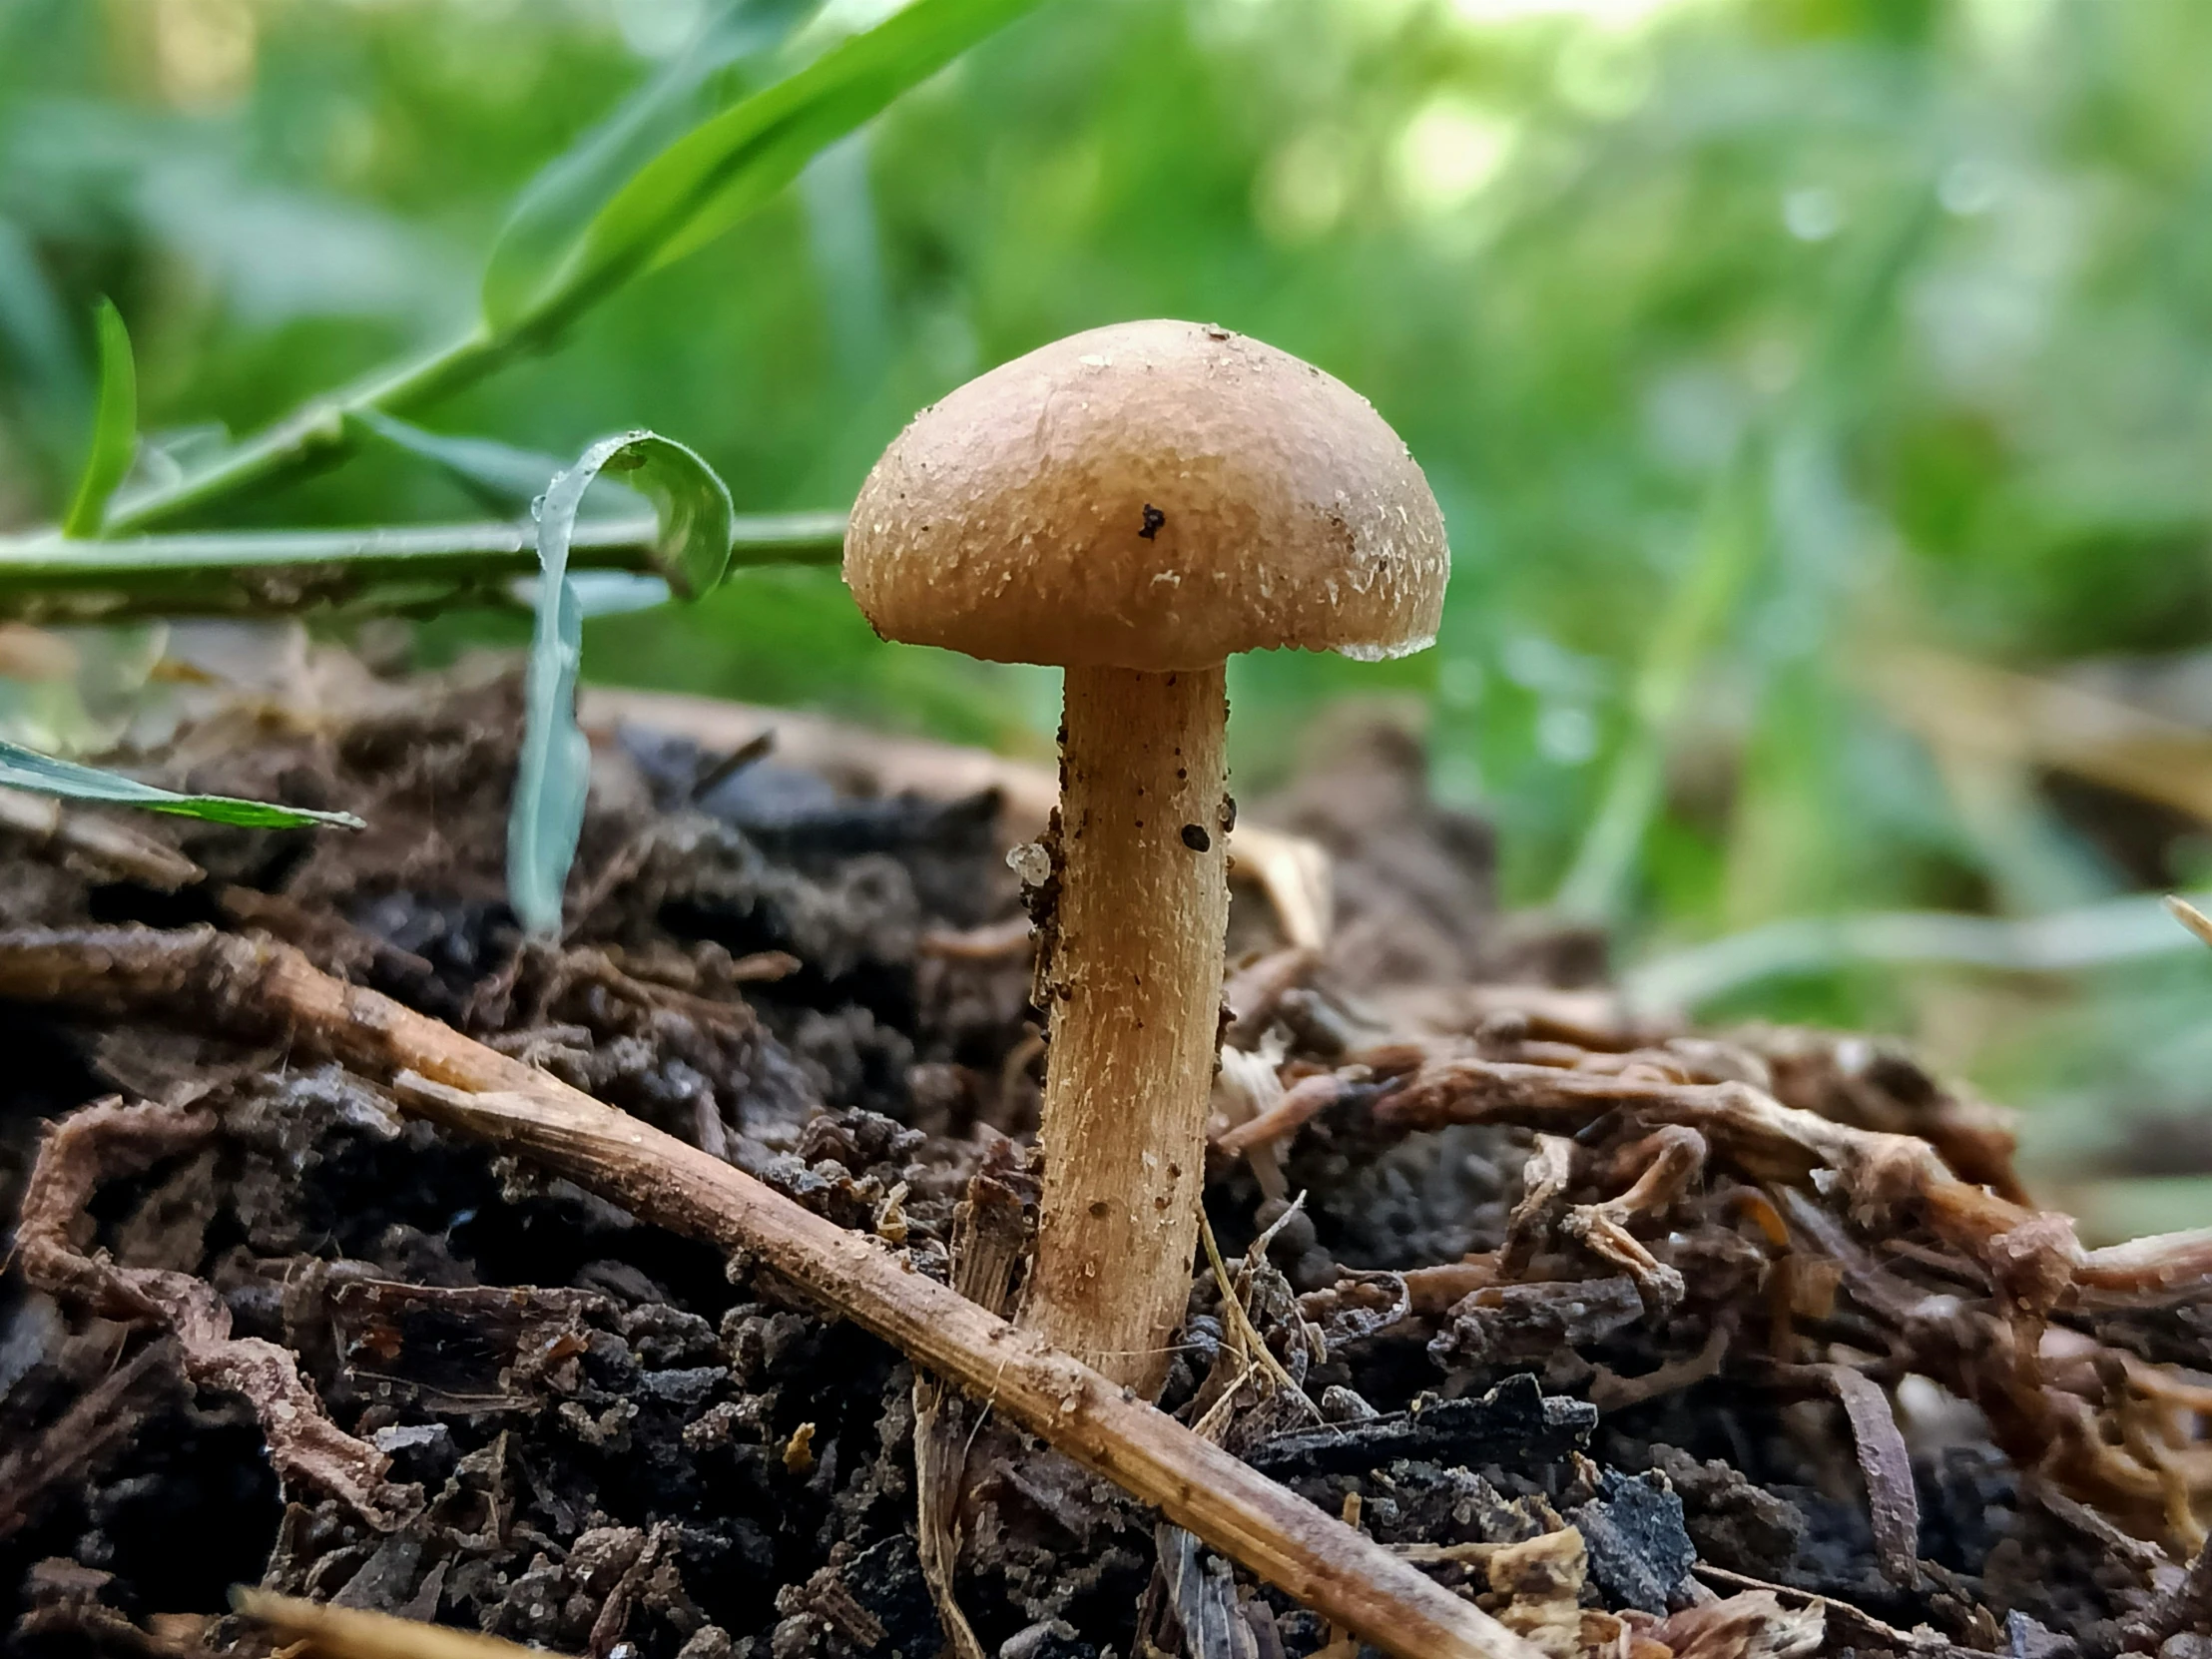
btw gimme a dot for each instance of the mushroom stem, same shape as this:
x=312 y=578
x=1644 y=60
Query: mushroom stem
x=1131 y=967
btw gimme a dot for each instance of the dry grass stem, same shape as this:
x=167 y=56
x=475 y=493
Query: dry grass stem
x=356 y=1633
x=103 y=841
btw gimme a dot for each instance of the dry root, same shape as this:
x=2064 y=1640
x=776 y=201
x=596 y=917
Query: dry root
x=1874 y=1252
x=110 y=1140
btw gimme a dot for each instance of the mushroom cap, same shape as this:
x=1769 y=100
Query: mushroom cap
x=1150 y=495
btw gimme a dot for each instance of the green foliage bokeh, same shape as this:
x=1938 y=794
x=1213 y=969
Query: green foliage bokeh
x=1888 y=320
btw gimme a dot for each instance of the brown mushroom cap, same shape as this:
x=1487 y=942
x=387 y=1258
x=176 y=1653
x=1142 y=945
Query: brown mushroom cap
x=1151 y=495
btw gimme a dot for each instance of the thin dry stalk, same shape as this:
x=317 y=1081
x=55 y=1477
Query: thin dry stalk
x=100 y=841
x=357 y=1633
x=988 y=1241
x=258 y=987
x=1299 y=1104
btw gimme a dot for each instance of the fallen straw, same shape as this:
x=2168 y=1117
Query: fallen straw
x=357 y=1633
x=256 y=987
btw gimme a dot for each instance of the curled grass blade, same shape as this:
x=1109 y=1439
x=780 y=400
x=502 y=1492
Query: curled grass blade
x=27 y=769
x=692 y=550
x=113 y=428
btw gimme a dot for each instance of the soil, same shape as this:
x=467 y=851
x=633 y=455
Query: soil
x=621 y=1444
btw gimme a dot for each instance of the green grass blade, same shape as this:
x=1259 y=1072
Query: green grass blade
x=553 y=778
x=1734 y=537
x=722 y=65
x=735 y=163
x=697 y=526
x=552 y=265
x=731 y=164
x=501 y=476
x=27 y=769
x=113 y=428
x=1731 y=539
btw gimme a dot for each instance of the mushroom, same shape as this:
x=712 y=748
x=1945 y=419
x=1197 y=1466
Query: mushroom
x=1135 y=504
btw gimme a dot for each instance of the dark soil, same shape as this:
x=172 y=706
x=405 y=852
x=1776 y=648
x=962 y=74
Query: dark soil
x=625 y=1445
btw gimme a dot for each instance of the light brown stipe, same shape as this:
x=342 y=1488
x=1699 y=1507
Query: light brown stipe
x=1137 y=504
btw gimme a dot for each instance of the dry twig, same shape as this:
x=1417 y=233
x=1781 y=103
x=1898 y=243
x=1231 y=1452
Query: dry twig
x=2031 y=1255
x=1296 y=1106
x=259 y=988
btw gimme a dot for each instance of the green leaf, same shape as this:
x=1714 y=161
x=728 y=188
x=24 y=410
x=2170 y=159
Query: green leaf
x=731 y=164
x=1733 y=536
x=721 y=65
x=618 y=592
x=27 y=769
x=113 y=428
x=502 y=476
x=553 y=778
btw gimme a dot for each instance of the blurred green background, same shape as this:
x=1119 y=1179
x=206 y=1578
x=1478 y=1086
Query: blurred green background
x=1819 y=391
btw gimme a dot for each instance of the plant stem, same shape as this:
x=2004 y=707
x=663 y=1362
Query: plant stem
x=359 y=1633
x=48 y=579
x=314 y=434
